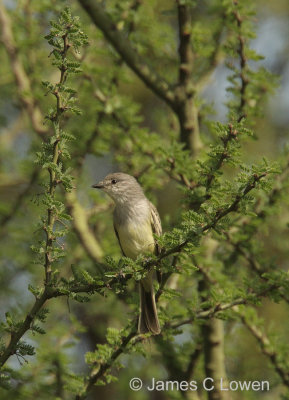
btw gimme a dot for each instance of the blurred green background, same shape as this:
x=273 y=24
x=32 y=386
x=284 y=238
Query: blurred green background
x=75 y=328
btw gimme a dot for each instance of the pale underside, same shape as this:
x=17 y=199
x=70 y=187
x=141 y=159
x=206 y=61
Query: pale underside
x=136 y=238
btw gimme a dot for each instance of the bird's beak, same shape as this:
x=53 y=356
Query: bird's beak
x=98 y=185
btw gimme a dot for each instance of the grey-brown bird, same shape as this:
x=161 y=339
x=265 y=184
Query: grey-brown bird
x=135 y=221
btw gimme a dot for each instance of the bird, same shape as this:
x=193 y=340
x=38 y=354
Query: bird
x=135 y=221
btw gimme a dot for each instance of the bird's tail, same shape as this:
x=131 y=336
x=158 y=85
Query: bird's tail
x=148 y=319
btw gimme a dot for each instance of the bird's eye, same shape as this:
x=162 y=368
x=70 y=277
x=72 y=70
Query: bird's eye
x=113 y=181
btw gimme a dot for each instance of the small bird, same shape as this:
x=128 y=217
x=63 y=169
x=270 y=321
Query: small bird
x=135 y=220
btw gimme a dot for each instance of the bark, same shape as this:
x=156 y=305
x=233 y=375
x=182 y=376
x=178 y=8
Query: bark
x=186 y=109
x=213 y=336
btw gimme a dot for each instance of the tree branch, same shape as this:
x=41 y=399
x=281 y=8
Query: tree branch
x=213 y=333
x=179 y=99
x=186 y=109
x=24 y=327
x=95 y=376
x=122 y=45
x=241 y=246
x=21 y=78
x=232 y=134
x=219 y=215
x=55 y=292
x=185 y=49
x=23 y=84
x=243 y=66
x=267 y=350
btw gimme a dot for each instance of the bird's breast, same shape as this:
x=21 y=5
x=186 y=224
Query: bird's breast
x=136 y=237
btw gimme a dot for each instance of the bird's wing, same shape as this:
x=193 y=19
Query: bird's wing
x=156 y=224
x=117 y=235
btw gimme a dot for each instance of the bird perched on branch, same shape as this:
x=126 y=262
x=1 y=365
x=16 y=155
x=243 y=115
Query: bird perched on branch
x=135 y=221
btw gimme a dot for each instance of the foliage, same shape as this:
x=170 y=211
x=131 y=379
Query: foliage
x=223 y=255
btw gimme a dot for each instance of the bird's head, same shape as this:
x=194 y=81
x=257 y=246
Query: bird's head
x=120 y=187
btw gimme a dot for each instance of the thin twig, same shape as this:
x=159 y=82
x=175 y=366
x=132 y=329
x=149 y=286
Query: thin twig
x=267 y=349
